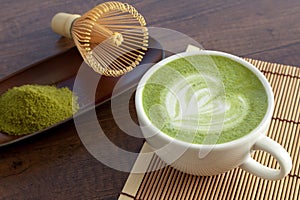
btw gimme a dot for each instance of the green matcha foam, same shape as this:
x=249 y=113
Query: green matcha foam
x=197 y=97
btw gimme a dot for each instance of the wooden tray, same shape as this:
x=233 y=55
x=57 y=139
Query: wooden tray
x=168 y=183
x=61 y=70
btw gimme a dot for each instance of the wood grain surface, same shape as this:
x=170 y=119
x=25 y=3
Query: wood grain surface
x=56 y=165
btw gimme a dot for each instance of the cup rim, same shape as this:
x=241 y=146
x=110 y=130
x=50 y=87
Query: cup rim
x=254 y=133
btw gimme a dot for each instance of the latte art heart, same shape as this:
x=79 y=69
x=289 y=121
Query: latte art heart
x=204 y=99
x=193 y=108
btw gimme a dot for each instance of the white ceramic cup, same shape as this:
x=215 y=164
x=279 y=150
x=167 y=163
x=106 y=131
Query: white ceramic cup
x=206 y=160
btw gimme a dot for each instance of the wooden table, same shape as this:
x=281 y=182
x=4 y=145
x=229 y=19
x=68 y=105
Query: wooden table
x=56 y=165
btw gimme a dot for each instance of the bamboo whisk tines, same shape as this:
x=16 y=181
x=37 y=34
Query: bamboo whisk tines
x=112 y=37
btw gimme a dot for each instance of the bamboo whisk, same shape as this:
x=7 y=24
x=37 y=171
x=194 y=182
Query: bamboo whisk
x=112 y=37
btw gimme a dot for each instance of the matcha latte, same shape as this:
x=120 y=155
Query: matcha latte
x=204 y=99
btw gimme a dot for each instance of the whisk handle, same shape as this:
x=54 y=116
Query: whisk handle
x=62 y=23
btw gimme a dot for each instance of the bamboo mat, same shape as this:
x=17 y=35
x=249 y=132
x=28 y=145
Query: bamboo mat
x=168 y=183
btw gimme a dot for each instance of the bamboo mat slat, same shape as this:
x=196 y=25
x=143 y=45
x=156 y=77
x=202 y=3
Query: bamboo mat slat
x=168 y=183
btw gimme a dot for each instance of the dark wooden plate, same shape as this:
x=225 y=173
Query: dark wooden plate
x=61 y=70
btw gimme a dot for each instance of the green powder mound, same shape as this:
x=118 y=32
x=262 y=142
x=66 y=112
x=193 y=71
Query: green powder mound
x=30 y=108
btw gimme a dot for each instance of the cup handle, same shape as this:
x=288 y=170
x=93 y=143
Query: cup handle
x=277 y=151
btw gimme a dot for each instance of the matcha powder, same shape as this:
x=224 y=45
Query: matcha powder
x=30 y=108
